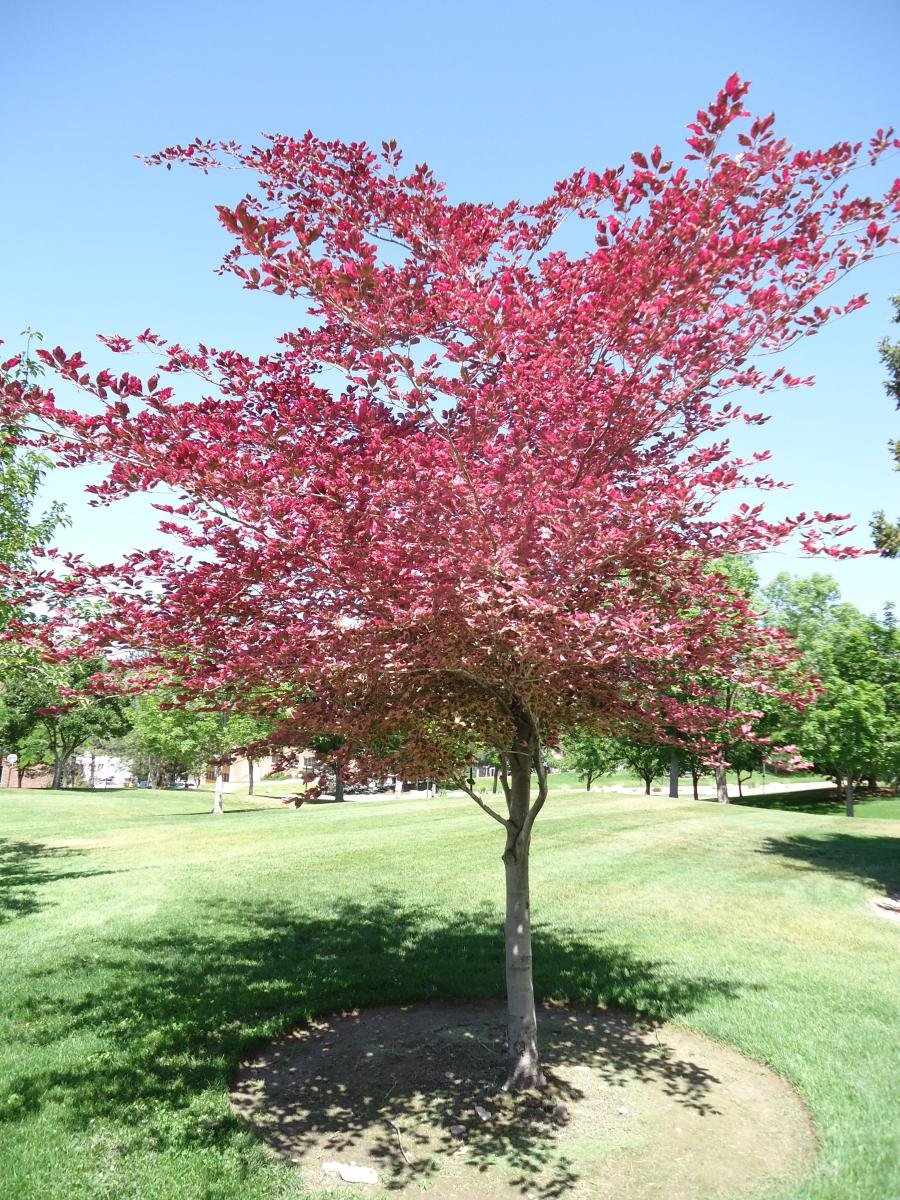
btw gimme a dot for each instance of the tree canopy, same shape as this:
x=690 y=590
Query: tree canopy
x=467 y=499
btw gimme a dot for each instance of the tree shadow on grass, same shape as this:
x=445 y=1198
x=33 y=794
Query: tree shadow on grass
x=227 y=812
x=874 y=861
x=820 y=802
x=177 y=1012
x=26 y=867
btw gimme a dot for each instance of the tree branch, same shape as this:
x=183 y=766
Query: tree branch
x=464 y=787
x=504 y=778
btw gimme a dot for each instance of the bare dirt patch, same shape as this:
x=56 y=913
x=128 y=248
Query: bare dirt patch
x=633 y=1110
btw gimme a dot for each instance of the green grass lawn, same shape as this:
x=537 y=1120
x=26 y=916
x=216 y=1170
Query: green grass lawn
x=147 y=946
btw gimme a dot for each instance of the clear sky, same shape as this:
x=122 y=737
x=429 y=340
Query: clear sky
x=501 y=99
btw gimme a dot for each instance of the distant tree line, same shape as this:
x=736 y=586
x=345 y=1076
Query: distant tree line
x=849 y=733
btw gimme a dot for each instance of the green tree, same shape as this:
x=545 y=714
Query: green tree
x=857 y=661
x=646 y=760
x=21 y=474
x=846 y=734
x=168 y=738
x=48 y=712
x=72 y=722
x=739 y=575
x=885 y=533
x=241 y=732
x=26 y=687
x=590 y=756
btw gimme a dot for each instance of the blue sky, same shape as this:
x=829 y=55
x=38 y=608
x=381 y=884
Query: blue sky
x=501 y=99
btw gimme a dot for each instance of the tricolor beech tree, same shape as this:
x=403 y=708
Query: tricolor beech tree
x=469 y=499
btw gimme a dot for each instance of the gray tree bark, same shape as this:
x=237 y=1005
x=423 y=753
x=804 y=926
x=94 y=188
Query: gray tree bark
x=249 y=776
x=523 y=1058
x=848 y=793
x=721 y=785
x=674 y=771
x=218 y=790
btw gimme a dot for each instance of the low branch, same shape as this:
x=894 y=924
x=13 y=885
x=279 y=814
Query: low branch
x=464 y=787
x=543 y=787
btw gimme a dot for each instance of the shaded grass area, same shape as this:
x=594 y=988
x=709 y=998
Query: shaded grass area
x=825 y=801
x=25 y=867
x=149 y=947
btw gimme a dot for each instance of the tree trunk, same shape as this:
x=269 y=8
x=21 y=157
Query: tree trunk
x=590 y=779
x=249 y=776
x=872 y=783
x=217 y=793
x=674 y=771
x=647 y=783
x=523 y=1060
x=21 y=774
x=849 y=796
x=721 y=785
x=695 y=780
x=93 y=769
x=496 y=778
x=338 y=785
x=58 y=767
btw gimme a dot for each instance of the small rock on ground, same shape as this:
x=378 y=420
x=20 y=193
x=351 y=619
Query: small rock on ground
x=350 y=1172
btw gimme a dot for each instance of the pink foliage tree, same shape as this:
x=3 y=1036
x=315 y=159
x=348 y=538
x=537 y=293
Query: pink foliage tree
x=470 y=498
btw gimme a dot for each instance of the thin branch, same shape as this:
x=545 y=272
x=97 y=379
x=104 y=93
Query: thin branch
x=400 y=1144
x=464 y=787
x=504 y=779
x=543 y=787
x=537 y=806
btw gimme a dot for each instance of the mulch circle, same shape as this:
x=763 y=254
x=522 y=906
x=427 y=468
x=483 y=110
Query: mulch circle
x=405 y=1101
